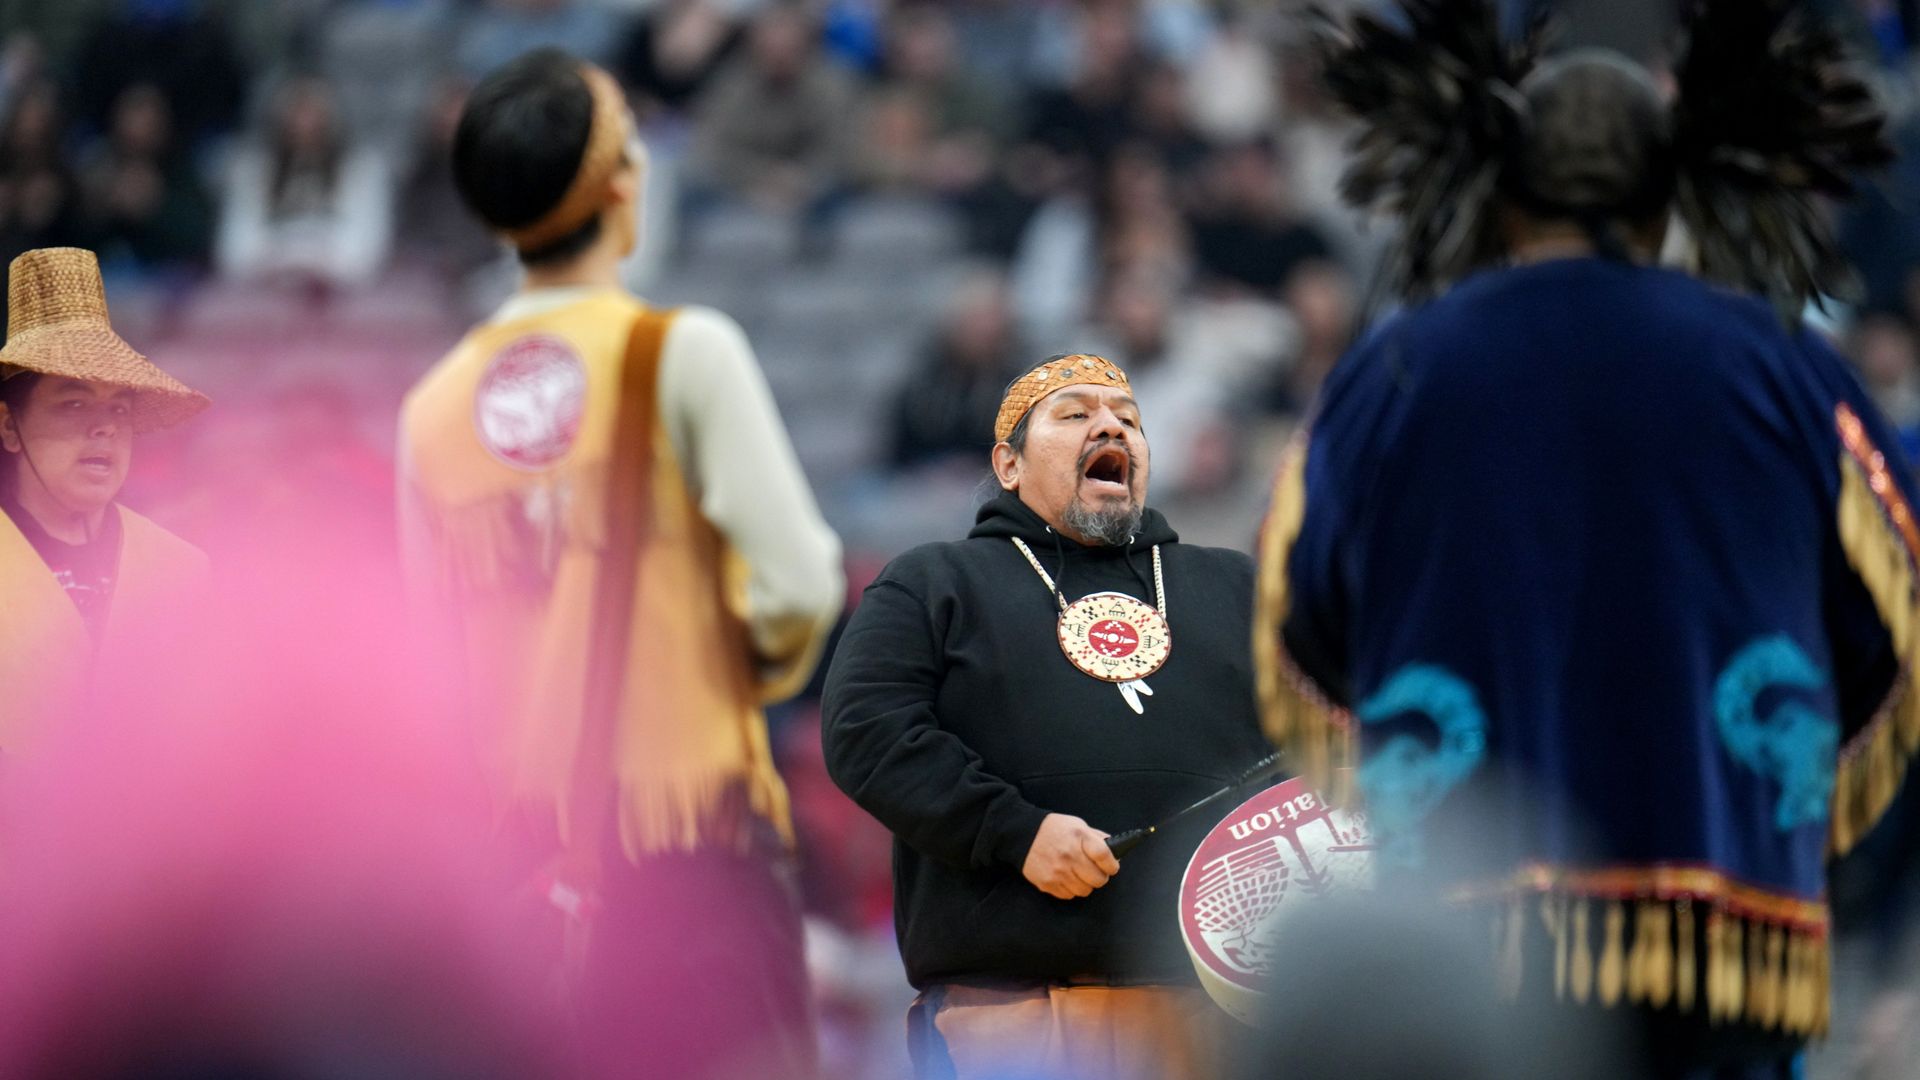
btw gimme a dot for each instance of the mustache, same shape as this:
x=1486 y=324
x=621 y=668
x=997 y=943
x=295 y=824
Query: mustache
x=1101 y=446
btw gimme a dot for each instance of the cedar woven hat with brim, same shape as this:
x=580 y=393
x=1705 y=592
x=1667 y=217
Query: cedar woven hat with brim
x=57 y=325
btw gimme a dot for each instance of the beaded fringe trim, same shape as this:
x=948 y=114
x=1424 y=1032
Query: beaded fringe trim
x=1882 y=542
x=1689 y=956
x=1315 y=734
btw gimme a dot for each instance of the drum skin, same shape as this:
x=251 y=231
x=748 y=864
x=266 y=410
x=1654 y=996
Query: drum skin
x=1277 y=852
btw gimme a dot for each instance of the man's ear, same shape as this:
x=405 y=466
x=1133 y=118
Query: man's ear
x=623 y=187
x=628 y=181
x=1006 y=467
x=9 y=431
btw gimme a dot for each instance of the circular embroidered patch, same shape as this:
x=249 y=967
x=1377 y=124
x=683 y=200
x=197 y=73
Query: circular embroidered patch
x=1282 y=848
x=530 y=401
x=1114 y=637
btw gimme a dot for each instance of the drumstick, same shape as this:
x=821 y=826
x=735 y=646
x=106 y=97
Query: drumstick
x=1121 y=843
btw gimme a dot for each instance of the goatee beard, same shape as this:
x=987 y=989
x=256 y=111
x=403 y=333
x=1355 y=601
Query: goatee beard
x=1112 y=526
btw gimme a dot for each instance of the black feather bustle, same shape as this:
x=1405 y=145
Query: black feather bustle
x=1436 y=94
x=1769 y=119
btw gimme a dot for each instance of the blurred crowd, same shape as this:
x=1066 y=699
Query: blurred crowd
x=905 y=202
x=944 y=191
x=902 y=200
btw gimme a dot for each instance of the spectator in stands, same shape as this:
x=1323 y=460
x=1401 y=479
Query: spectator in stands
x=852 y=32
x=1055 y=267
x=774 y=129
x=1234 y=88
x=675 y=50
x=181 y=46
x=141 y=196
x=968 y=114
x=995 y=38
x=503 y=29
x=1139 y=318
x=39 y=203
x=1879 y=232
x=955 y=121
x=1247 y=234
x=305 y=202
x=1160 y=119
x=945 y=411
x=894 y=152
x=1141 y=227
x=1314 y=144
x=1088 y=117
x=1320 y=297
x=1075 y=243
x=385 y=60
x=22 y=63
x=434 y=229
x=1886 y=353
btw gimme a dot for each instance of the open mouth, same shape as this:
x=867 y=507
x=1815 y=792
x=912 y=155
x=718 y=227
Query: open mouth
x=1108 y=469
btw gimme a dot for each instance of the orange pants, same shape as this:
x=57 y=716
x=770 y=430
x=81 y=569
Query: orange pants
x=1069 y=1033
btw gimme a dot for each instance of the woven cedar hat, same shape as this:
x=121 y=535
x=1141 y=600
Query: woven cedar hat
x=57 y=325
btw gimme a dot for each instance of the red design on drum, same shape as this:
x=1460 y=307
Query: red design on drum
x=1279 y=849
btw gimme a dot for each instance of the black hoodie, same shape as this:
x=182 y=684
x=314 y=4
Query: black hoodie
x=953 y=716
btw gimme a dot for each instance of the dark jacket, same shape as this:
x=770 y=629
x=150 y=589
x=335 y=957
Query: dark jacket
x=1614 y=571
x=953 y=716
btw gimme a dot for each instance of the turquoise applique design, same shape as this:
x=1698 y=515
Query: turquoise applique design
x=1792 y=745
x=1407 y=778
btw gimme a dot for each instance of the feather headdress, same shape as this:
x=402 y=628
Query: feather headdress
x=1769 y=118
x=1437 y=94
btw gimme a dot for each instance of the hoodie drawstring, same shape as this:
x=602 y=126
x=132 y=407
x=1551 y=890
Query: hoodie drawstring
x=1059 y=565
x=1148 y=584
x=1145 y=581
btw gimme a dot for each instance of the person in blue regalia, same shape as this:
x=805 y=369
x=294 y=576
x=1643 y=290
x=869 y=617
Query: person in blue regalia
x=1602 y=573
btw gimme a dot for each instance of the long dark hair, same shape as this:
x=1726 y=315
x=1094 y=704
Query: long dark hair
x=287 y=162
x=14 y=390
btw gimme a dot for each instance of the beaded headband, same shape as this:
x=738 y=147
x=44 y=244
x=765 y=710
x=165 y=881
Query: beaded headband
x=1056 y=374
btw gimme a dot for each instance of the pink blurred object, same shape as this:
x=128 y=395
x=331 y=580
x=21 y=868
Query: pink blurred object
x=265 y=854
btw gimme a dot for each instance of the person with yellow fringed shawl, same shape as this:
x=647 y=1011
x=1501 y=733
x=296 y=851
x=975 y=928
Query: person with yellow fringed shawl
x=84 y=582
x=1602 y=572
x=601 y=497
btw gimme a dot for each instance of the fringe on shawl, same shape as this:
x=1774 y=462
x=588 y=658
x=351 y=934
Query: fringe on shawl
x=1879 y=535
x=1314 y=734
x=1680 y=938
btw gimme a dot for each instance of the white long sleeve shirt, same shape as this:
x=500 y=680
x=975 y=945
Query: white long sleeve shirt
x=739 y=464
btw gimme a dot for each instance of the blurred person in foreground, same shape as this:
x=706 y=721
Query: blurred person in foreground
x=269 y=861
x=83 y=579
x=1002 y=702
x=602 y=499
x=1605 y=571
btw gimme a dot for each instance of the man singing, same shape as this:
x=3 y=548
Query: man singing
x=1003 y=702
